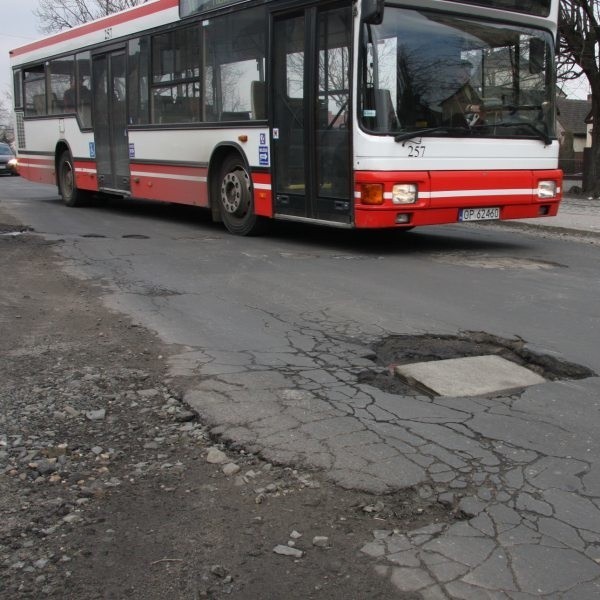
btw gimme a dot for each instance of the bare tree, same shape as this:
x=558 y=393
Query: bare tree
x=5 y=111
x=6 y=128
x=579 y=27
x=56 y=15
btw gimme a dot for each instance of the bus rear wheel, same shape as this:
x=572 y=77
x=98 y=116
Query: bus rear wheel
x=71 y=194
x=236 y=204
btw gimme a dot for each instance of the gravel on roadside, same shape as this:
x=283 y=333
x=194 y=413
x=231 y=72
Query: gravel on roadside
x=112 y=488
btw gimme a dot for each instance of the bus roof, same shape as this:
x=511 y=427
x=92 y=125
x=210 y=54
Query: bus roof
x=129 y=21
x=145 y=16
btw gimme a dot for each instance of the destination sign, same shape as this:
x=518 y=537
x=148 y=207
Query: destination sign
x=193 y=7
x=533 y=7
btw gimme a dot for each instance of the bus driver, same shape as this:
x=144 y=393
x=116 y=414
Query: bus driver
x=463 y=106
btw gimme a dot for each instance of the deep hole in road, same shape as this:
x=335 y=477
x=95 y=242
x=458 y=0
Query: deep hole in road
x=8 y=230
x=396 y=350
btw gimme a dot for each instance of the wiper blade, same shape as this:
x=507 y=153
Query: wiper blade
x=409 y=135
x=464 y=131
x=541 y=135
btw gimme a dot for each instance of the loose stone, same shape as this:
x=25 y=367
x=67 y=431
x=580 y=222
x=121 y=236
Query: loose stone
x=231 y=469
x=287 y=551
x=96 y=415
x=216 y=457
x=219 y=571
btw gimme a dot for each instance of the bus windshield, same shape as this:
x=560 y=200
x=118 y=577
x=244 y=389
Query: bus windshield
x=452 y=76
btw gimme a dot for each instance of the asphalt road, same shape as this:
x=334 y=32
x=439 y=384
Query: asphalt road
x=273 y=334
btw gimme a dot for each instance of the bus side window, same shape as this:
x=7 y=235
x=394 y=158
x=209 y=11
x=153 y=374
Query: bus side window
x=138 y=64
x=209 y=113
x=34 y=83
x=63 y=83
x=56 y=105
x=175 y=88
x=84 y=94
x=84 y=109
x=234 y=66
x=39 y=104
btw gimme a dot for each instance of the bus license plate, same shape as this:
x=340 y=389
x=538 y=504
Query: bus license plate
x=479 y=214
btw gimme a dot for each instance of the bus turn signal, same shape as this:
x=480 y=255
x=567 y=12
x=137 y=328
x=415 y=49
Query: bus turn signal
x=371 y=193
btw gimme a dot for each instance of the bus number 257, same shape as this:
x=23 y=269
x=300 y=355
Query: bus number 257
x=416 y=151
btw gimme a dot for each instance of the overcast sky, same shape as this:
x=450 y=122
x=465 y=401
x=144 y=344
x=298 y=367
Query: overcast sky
x=18 y=26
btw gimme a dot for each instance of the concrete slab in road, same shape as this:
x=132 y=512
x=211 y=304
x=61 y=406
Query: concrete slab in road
x=469 y=376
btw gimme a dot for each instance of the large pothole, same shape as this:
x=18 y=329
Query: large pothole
x=397 y=350
x=12 y=230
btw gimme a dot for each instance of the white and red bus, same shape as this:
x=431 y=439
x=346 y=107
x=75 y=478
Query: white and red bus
x=363 y=113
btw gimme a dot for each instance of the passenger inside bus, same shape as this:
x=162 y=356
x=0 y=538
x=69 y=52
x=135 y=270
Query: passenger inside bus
x=70 y=96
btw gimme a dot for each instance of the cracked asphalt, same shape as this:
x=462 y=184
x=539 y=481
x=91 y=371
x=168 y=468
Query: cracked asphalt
x=269 y=337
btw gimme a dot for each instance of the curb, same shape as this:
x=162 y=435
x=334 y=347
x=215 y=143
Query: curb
x=552 y=229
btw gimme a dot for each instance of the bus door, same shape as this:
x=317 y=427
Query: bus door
x=110 y=121
x=310 y=126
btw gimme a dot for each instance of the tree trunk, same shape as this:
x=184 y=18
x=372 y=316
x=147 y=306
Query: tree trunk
x=591 y=180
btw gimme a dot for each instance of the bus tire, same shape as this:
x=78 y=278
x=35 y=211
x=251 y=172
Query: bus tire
x=71 y=194
x=235 y=199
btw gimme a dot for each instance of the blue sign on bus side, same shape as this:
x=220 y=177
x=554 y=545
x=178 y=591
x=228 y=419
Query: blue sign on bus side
x=263 y=156
x=92 y=150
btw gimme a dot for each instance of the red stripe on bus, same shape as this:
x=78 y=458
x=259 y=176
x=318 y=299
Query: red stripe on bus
x=49 y=160
x=264 y=178
x=496 y=183
x=85 y=176
x=170 y=170
x=170 y=183
x=143 y=10
x=169 y=190
x=39 y=170
x=263 y=198
x=479 y=180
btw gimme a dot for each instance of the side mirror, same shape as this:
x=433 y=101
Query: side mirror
x=372 y=11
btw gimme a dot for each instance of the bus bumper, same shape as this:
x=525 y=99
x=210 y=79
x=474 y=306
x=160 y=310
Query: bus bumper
x=446 y=197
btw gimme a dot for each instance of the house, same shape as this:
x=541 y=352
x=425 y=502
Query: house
x=573 y=132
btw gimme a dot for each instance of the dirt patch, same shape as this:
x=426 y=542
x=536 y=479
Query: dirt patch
x=106 y=488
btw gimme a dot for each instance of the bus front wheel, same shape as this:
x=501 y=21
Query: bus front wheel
x=71 y=194
x=235 y=199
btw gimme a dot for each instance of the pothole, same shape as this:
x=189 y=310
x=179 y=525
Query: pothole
x=494 y=364
x=483 y=261
x=14 y=230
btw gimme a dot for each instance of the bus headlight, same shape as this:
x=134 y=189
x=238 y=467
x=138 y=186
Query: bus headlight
x=404 y=193
x=546 y=189
x=12 y=162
